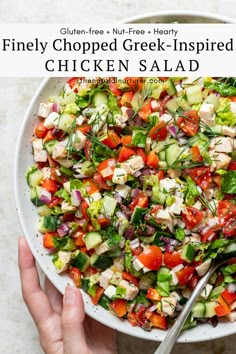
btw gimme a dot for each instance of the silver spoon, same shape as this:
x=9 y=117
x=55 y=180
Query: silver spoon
x=173 y=333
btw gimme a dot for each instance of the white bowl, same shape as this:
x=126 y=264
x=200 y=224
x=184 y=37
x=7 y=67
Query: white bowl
x=28 y=218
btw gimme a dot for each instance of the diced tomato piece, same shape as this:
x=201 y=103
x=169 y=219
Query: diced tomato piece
x=126 y=140
x=137 y=250
x=131 y=316
x=87 y=149
x=72 y=82
x=49 y=136
x=192 y=217
x=129 y=277
x=226 y=210
x=126 y=99
x=100 y=181
x=50 y=185
x=233 y=98
x=217 y=180
x=160 y=175
x=104 y=222
x=48 y=239
x=54 y=201
x=75 y=275
x=114 y=89
x=99 y=292
x=159 y=131
x=90 y=186
x=184 y=275
x=200 y=175
x=84 y=128
x=151 y=257
x=40 y=131
x=84 y=207
x=52 y=163
x=208 y=234
x=172 y=259
x=158 y=321
x=221 y=311
x=112 y=140
x=232 y=166
x=125 y=153
x=119 y=306
x=140 y=152
x=152 y=159
x=153 y=294
x=196 y=154
x=145 y=110
x=57 y=177
x=79 y=238
x=135 y=83
x=228 y=297
x=193 y=281
x=232 y=261
x=141 y=200
x=229 y=229
x=106 y=168
x=189 y=122
x=68 y=217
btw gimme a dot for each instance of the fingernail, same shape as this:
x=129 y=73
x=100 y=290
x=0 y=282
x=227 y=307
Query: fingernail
x=70 y=295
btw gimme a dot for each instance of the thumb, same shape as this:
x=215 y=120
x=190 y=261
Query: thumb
x=72 y=322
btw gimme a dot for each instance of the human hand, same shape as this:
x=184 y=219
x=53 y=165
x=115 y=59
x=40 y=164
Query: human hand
x=61 y=321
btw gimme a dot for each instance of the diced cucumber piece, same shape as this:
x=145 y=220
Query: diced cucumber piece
x=138 y=215
x=216 y=292
x=44 y=210
x=104 y=302
x=210 y=308
x=184 y=104
x=49 y=145
x=172 y=154
x=213 y=99
x=170 y=87
x=82 y=261
x=173 y=104
x=65 y=171
x=92 y=239
x=109 y=205
x=101 y=262
x=34 y=176
x=199 y=310
x=88 y=168
x=65 y=121
x=47 y=223
x=194 y=94
x=162 y=155
x=85 y=283
x=35 y=194
x=99 y=98
x=230 y=251
x=188 y=253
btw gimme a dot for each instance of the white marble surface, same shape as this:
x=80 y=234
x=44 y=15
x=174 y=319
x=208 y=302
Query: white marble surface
x=17 y=331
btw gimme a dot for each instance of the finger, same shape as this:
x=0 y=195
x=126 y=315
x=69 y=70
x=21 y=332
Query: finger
x=35 y=299
x=72 y=322
x=54 y=296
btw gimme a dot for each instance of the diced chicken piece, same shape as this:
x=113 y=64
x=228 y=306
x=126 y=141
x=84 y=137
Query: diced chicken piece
x=123 y=190
x=175 y=295
x=198 y=205
x=104 y=247
x=163 y=215
x=133 y=165
x=186 y=292
x=62 y=261
x=93 y=197
x=231 y=316
x=137 y=264
x=78 y=140
x=46 y=172
x=219 y=160
x=67 y=89
x=98 y=118
x=203 y=268
x=207 y=114
x=40 y=155
x=233 y=107
x=65 y=206
x=177 y=206
x=52 y=120
x=166 y=118
x=59 y=150
x=80 y=120
x=155 y=104
x=131 y=290
x=168 y=184
x=110 y=291
x=121 y=119
x=229 y=131
x=206 y=292
x=195 y=238
x=222 y=144
x=44 y=109
x=168 y=305
x=105 y=278
x=120 y=176
x=233 y=306
x=174 y=173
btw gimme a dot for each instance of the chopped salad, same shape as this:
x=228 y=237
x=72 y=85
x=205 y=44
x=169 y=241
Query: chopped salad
x=135 y=182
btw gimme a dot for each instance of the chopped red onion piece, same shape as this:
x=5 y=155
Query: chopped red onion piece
x=76 y=198
x=232 y=288
x=45 y=196
x=152 y=308
x=55 y=107
x=137 y=173
x=135 y=192
x=63 y=230
x=172 y=130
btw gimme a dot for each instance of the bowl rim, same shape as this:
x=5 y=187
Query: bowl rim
x=16 y=166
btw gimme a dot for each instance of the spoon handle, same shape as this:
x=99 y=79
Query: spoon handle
x=172 y=335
